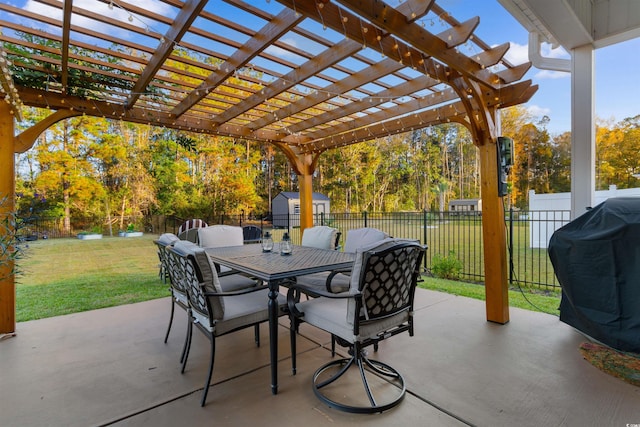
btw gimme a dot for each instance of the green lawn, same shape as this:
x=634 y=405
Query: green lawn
x=546 y=303
x=63 y=276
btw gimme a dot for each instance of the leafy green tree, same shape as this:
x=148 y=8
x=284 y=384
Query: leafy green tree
x=67 y=174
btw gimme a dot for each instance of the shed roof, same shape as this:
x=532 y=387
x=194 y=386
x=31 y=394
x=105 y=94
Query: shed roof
x=294 y=195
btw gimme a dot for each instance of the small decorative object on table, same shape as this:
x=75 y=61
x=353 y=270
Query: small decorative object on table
x=267 y=242
x=285 y=246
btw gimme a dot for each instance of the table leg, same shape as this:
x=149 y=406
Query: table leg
x=273 y=334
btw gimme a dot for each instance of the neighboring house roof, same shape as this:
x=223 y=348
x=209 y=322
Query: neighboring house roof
x=296 y=195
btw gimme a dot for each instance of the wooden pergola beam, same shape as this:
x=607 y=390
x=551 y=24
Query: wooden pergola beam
x=400 y=90
x=179 y=26
x=375 y=125
x=353 y=81
x=66 y=25
x=286 y=20
x=415 y=9
x=324 y=60
x=394 y=22
x=353 y=27
x=388 y=123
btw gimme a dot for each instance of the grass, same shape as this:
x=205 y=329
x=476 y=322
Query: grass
x=525 y=299
x=63 y=276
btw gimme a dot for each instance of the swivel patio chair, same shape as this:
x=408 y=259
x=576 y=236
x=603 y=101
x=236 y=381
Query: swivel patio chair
x=338 y=281
x=377 y=306
x=189 y=230
x=215 y=312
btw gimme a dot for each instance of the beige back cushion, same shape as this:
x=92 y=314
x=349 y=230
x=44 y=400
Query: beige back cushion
x=359 y=237
x=210 y=281
x=167 y=238
x=216 y=236
x=321 y=237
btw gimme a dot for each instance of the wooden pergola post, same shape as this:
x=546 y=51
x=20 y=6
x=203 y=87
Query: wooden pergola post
x=304 y=165
x=483 y=123
x=306 y=200
x=7 y=188
x=494 y=237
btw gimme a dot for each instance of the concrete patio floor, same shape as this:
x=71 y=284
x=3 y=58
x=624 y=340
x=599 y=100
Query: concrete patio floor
x=111 y=367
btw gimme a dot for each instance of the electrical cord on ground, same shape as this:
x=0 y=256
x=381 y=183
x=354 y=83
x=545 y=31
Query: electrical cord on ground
x=517 y=282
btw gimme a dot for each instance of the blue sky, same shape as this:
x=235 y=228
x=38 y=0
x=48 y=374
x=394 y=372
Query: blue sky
x=617 y=67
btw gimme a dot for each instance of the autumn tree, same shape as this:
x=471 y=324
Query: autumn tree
x=618 y=154
x=67 y=173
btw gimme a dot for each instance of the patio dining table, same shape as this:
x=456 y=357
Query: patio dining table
x=275 y=269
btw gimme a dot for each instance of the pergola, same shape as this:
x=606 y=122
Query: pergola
x=304 y=75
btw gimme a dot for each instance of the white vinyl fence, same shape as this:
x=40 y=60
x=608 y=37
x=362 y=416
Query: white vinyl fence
x=551 y=211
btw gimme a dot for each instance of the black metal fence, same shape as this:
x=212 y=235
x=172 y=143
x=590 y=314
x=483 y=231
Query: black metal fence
x=453 y=234
x=458 y=235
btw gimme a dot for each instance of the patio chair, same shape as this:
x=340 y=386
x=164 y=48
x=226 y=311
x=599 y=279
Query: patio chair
x=338 y=281
x=377 y=306
x=220 y=235
x=321 y=236
x=163 y=241
x=228 y=282
x=216 y=312
x=178 y=292
x=252 y=234
x=189 y=230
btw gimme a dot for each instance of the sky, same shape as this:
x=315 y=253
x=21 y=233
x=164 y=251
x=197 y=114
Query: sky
x=617 y=67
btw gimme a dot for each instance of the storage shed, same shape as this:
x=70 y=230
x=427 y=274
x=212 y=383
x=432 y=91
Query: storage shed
x=466 y=206
x=285 y=208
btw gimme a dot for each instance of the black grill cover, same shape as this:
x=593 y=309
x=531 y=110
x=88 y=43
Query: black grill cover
x=596 y=259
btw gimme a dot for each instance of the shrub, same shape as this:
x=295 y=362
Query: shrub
x=446 y=267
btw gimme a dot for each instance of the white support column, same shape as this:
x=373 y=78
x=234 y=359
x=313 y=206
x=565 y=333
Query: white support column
x=583 y=130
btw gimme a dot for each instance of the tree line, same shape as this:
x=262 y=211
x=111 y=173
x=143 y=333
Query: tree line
x=97 y=170
x=88 y=169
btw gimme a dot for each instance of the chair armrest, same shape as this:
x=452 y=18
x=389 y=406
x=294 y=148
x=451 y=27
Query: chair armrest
x=333 y=274
x=234 y=293
x=225 y=273
x=293 y=292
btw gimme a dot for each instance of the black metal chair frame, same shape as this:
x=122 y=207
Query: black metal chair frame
x=252 y=234
x=189 y=229
x=200 y=301
x=414 y=253
x=176 y=280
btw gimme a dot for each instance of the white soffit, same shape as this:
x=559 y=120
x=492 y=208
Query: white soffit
x=615 y=21
x=574 y=23
x=555 y=20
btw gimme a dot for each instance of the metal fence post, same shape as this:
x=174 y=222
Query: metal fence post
x=364 y=216
x=424 y=236
x=510 y=248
